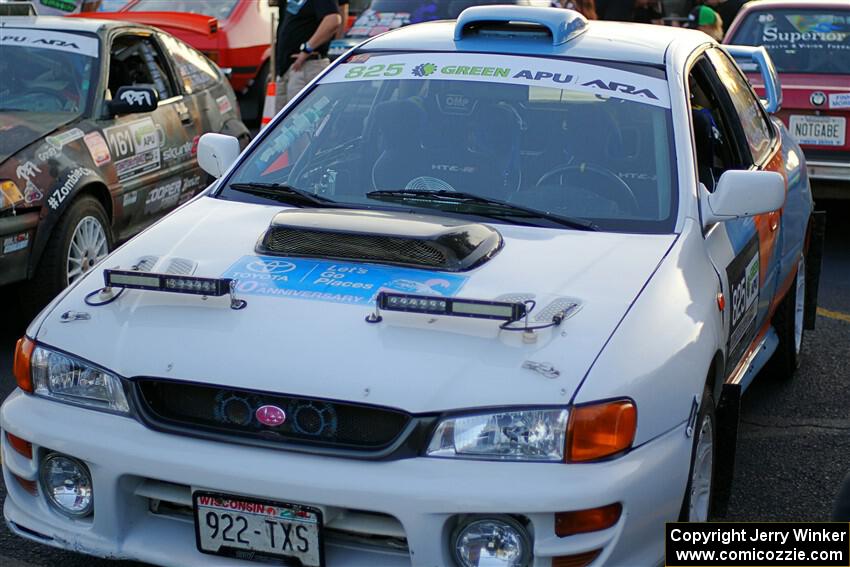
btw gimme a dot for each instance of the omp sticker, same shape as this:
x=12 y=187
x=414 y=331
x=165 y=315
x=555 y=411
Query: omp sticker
x=131 y=198
x=16 y=242
x=335 y=282
x=70 y=182
x=224 y=105
x=743 y=276
x=839 y=100
x=527 y=71
x=135 y=148
x=98 y=149
x=44 y=39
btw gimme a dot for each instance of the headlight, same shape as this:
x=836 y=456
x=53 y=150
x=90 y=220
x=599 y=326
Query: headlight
x=521 y=435
x=68 y=379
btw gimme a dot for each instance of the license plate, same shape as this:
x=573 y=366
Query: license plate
x=251 y=529
x=819 y=130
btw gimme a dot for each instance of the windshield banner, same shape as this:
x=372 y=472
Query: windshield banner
x=528 y=71
x=45 y=39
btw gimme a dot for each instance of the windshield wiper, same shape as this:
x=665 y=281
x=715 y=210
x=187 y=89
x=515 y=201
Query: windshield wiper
x=284 y=193
x=494 y=207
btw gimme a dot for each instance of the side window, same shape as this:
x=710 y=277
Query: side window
x=197 y=73
x=135 y=60
x=754 y=122
x=713 y=135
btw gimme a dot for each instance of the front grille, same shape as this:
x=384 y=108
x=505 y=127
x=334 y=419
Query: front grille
x=361 y=247
x=307 y=422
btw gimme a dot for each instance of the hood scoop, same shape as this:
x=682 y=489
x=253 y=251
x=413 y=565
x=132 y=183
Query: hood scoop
x=402 y=239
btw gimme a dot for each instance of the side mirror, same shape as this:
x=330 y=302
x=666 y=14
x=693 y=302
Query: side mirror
x=217 y=152
x=742 y=194
x=129 y=100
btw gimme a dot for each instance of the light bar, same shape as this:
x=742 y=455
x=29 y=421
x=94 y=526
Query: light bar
x=166 y=282
x=499 y=310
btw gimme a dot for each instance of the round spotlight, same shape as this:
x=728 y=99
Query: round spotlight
x=490 y=541
x=67 y=484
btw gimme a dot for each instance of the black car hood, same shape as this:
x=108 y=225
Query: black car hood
x=20 y=129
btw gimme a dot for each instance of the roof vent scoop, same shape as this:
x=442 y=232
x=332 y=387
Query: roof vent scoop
x=402 y=239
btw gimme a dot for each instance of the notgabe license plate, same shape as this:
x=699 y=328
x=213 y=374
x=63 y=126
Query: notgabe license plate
x=818 y=130
x=248 y=528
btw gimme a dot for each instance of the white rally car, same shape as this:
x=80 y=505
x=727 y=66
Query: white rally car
x=487 y=292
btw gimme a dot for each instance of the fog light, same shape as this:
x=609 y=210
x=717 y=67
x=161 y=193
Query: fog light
x=67 y=484
x=492 y=541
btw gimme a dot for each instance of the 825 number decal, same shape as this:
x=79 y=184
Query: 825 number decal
x=374 y=71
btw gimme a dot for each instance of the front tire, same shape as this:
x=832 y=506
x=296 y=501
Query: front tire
x=79 y=241
x=788 y=323
x=697 y=504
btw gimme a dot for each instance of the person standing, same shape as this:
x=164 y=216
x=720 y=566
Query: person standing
x=706 y=20
x=727 y=9
x=303 y=37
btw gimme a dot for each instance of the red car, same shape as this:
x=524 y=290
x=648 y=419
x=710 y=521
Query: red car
x=809 y=42
x=236 y=34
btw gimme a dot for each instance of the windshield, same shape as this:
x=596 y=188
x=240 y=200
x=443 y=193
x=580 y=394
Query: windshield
x=572 y=139
x=384 y=15
x=46 y=71
x=220 y=9
x=800 y=41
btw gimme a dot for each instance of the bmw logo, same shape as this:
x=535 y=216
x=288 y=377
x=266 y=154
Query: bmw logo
x=817 y=98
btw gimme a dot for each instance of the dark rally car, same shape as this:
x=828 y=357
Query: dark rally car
x=99 y=124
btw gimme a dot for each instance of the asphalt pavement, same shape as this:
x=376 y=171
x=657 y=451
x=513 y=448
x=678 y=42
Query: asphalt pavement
x=794 y=444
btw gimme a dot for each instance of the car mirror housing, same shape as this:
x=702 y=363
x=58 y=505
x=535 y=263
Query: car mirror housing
x=217 y=152
x=132 y=100
x=742 y=194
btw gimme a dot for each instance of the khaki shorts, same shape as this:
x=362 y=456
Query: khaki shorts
x=291 y=83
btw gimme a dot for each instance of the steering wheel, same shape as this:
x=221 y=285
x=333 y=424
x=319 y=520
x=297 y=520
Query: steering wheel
x=614 y=188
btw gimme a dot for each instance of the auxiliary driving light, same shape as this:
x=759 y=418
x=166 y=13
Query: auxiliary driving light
x=492 y=541
x=130 y=279
x=67 y=484
x=166 y=282
x=432 y=305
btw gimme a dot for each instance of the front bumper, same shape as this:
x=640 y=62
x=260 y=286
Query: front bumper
x=17 y=236
x=135 y=469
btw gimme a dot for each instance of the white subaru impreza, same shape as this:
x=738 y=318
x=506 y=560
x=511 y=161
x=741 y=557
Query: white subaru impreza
x=487 y=292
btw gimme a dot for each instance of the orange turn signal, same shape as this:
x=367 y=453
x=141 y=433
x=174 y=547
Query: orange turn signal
x=597 y=431
x=583 y=521
x=20 y=445
x=28 y=485
x=21 y=366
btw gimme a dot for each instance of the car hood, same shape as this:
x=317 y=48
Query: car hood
x=309 y=344
x=20 y=129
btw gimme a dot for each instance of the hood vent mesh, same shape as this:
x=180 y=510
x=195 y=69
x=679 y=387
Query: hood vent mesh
x=356 y=246
x=385 y=238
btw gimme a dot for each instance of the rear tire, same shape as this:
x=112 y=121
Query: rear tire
x=697 y=505
x=788 y=322
x=79 y=240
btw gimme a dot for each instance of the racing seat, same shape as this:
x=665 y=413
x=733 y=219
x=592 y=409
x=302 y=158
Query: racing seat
x=484 y=161
x=399 y=124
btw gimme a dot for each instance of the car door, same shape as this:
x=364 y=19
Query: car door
x=152 y=152
x=746 y=251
